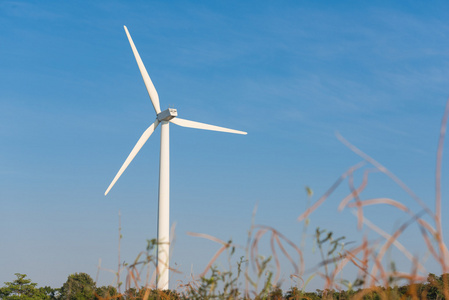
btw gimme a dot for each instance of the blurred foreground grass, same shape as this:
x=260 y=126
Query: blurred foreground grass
x=257 y=276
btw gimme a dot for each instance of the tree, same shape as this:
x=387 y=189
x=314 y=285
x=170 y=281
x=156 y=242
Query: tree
x=106 y=292
x=22 y=288
x=79 y=286
x=293 y=294
x=275 y=293
x=133 y=294
x=154 y=294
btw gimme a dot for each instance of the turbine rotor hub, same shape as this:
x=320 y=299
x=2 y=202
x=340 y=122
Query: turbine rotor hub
x=167 y=114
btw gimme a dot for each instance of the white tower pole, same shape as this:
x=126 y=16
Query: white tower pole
x=163 y=231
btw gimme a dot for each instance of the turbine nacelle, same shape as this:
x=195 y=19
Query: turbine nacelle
x=167 y=114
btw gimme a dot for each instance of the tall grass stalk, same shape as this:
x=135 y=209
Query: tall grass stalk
x=258 y=276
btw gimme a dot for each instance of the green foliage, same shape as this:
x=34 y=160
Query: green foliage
x=22 y=288
x=132 y=293
x=436 y=285
x=296 y=294
x=275 y=294
x=106 y=292
x=79 y=286
x=219 y=285
x=210 y=287
x=150 y=294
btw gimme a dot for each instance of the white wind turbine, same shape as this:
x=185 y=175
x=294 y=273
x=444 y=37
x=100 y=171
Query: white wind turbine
x=165 y=118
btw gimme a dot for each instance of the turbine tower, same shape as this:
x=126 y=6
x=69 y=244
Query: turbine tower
x=164 y=118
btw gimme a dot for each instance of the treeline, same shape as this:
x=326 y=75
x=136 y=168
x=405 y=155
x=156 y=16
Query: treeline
x=81 y=286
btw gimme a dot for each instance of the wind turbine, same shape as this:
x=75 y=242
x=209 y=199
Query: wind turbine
x=164 y=118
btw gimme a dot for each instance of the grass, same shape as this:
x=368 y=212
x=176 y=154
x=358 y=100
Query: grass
x=254 y=276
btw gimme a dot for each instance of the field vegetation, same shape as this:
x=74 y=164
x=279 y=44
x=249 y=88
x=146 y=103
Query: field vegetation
x=257 y=276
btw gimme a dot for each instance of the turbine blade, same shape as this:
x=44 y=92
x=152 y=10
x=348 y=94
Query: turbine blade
x=154 y=97
x=198 y=125
x=133 y=153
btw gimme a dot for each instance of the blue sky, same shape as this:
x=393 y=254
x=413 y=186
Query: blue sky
x=291 y=74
